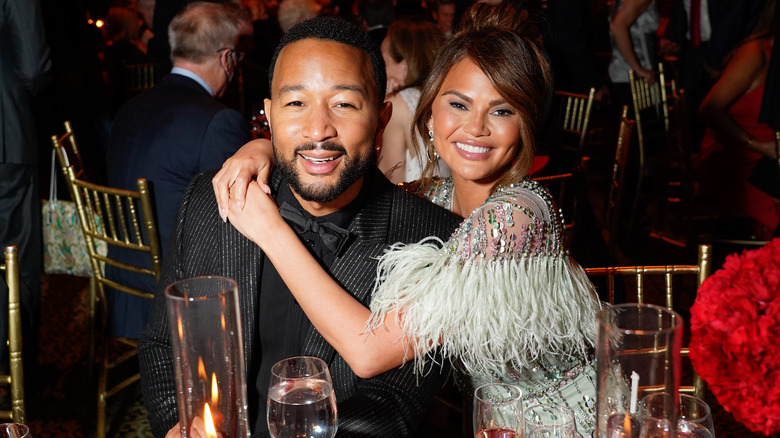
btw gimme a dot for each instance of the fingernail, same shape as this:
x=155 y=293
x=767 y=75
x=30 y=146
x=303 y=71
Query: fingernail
x=223 y=214
x=239 y=206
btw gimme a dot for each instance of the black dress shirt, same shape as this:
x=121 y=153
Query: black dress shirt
x=282 y=324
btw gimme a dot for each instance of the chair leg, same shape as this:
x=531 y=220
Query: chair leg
x=92 y=335
x=103 y=371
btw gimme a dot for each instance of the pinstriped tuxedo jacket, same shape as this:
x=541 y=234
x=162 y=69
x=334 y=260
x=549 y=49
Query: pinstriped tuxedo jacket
x=389 y=405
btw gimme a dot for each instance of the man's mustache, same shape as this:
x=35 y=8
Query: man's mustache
x=326 y=146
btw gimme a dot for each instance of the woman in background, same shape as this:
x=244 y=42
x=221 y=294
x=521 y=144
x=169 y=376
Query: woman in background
x=409 y=50
x=735 y=141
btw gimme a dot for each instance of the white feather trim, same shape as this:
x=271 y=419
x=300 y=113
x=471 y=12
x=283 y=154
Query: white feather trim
x=485 y=313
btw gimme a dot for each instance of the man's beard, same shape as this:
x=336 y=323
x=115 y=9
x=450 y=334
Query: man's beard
x=354 y=169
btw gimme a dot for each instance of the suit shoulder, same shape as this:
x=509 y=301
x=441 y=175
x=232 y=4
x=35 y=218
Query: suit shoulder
x=421 y=217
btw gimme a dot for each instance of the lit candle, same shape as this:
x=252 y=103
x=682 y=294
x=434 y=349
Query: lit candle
x=211 y=431
x=214 y=389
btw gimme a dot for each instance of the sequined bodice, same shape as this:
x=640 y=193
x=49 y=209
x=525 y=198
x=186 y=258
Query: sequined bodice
x=496 y=229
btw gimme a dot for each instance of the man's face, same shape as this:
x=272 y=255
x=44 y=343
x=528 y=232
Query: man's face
x=444 y=17
x=324 y=118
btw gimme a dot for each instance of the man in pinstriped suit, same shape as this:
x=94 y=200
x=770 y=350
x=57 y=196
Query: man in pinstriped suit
x=326 y=115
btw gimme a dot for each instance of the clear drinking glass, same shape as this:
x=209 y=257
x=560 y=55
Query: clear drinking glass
x=14 y=430
x=553 y=432
x=208 y=356
x=638 y=351
x=694 y=417
x=548 y=414
x=301 y=400
x=498 y=411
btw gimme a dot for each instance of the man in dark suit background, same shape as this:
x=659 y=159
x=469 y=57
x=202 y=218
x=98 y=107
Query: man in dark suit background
x=326 y=114
x=25 y=66
x=174 y=131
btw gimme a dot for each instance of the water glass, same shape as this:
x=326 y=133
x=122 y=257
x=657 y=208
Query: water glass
x=694 y=416
x=301 y=400
x=553 y=432
x=637 y=352
x=498 y=411
x=14 y=430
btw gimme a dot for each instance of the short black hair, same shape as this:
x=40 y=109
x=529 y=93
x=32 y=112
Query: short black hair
x=336 y=29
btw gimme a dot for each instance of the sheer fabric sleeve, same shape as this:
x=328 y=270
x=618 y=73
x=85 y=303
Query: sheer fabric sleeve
x=502 y=289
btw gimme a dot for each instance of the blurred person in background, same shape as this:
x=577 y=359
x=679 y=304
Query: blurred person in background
x=409 y=50
x=633 y=26
x=25 y=67
x=173 y=131
x=443 y=14
x=292 y=12
x=734 y=140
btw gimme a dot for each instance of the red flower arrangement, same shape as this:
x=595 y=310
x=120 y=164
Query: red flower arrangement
x=735 y=336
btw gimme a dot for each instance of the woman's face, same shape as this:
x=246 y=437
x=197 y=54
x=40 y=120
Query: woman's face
x=396 y=71
x=475 y=131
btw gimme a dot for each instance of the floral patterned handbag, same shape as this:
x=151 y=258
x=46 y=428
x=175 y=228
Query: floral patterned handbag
x=64 y=247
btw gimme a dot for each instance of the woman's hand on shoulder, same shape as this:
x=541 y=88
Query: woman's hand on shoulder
x=259 y=208
x=253 y=160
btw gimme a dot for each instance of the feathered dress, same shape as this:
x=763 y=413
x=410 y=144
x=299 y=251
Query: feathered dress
x=501 y=298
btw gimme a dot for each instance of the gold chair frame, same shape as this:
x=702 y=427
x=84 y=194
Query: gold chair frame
x=576 y=109
x=138 y=77
x=125 y=219
x=651 y=97
x=701 y=270
x=68 y=155
x=616 y=193
x=15 y=378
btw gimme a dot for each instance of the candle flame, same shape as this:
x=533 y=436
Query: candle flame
x=627 y=425
x=201 y=369
x=214 y=389
x=181 y=328
x=223 y=322
x=211 y=431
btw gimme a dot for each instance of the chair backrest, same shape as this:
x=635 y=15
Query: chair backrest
x=15 y=378
x=68 y=151
x=697 y=272
x=613 y=207
x=574 y=111
x=138 y=77
x=120 y=218
x=651 y=107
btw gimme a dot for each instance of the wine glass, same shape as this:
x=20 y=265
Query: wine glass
x=14 y=430
x=553 y=432
x=301 y=400
x=548 y=414
x=694 y=419
x=498 y=411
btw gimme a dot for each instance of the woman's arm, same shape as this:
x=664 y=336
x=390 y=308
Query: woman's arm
x=629 y=11
x=392 y=156
x=338 y=316
x=744 y=72
x=254 y=159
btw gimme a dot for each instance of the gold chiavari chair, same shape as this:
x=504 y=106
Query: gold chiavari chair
x=15 y=377
x=138 y=77
x=698 y=273
x=68 y=156
x=613 y=207
x=68 y=151
x=121 y=219
x=651 y=107
x=574 y=111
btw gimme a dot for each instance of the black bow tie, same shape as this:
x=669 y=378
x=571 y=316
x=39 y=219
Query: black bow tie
x=333 y=236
